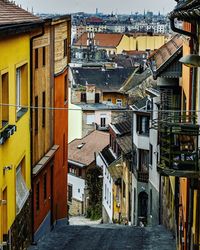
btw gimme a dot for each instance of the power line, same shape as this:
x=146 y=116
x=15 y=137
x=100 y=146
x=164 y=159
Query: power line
x=121 y=110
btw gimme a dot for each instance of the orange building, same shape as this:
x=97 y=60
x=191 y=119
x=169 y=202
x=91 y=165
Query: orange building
x=50 y=57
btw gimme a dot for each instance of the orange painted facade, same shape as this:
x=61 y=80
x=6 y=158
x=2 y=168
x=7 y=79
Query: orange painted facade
x=60 y=138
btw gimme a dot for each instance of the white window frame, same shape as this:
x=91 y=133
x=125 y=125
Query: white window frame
x=22 y=191
x=18 y=89
x=119 y=102
x=90 y=119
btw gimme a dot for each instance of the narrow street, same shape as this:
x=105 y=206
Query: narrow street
x=93 y=236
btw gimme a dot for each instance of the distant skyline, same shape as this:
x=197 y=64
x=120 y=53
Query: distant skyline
x=105 y=6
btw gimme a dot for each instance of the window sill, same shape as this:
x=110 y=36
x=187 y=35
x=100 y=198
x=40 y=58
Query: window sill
x=21 y=112
x=4 y=124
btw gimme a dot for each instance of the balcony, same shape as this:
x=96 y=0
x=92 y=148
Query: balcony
x=179 y=150
x=143 y=176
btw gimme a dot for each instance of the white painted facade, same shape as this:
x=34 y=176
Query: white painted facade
x=107 y=198
x=78 y=186
x=140 y=141
x=154 y=177
x=99 y=114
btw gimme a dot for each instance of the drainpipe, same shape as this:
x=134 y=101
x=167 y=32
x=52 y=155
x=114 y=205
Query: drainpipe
x=31 y=121
x=194 y=38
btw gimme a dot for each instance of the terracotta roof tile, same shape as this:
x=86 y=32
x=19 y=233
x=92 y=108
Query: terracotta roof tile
x=161 y=55
x=13 y=14
x=94 y=142
x=102 y=39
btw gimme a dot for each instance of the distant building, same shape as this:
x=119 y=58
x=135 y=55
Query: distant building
x=95 y=99
x=81 y=158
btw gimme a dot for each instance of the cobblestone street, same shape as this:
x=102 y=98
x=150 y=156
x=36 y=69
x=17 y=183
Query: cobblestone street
x=105 y=236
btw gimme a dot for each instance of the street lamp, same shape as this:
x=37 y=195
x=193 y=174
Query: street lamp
x=191 y=60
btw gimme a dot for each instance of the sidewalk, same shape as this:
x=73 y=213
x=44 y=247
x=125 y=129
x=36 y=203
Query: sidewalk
x=81 y=220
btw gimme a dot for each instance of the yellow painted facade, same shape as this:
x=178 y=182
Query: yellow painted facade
x=140 y=43
x=15 y=53
x=149 y=42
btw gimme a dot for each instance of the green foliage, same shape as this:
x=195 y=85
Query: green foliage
x=94 y=186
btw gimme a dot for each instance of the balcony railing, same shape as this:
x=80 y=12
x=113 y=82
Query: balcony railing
x=179 y=149
x=143 y=176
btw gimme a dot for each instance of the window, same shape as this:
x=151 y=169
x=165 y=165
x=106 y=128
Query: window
x=96 y=97
x=22 y=192
x=70 y=193
x=44 y=108
x=151 y=154
x=4 y=110
x=143 y=124
x=119 y=102
x=65 y=47
x=18 y=88
x=65 y=89
x=36 y=58
x=151 y=201
x=43 y=56
x=21 y=90
x=37 y=193
x=103 y=122
x=45 y=186
x=124 y=189
x=36 y=114
x=143 y=160
x=90 y=118
x=83 y=97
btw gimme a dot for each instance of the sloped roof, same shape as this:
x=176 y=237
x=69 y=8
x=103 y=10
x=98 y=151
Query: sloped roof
x=135 y=79
x=12 y=14
x=165 y=55
x=102 y=40
x=105 y=79
x=94 y=142
x=107 y=155
x=125 y=143
x=141 y=103
x=186 y=10
x=121 y=128
x=161 y=55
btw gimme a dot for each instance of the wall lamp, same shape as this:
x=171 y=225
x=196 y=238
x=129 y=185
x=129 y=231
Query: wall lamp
x=7 y=168
x=191 y=60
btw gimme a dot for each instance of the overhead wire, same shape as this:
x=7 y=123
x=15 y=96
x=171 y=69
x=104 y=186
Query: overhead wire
x=119 y=109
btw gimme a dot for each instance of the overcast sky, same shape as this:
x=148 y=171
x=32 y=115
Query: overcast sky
x=106 y=6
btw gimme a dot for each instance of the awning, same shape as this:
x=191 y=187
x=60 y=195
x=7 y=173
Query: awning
x=44 y=160
x=116 y=168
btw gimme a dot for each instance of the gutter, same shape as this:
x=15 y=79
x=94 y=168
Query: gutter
x=31 y=121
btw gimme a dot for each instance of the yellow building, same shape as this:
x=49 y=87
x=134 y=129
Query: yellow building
x=15 y=177
x=116 y=43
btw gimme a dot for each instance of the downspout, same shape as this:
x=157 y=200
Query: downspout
x=194 y=38
x=31 y=129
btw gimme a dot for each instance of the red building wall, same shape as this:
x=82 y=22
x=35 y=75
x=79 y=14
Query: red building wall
x=44 y=204
x=60 y=138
